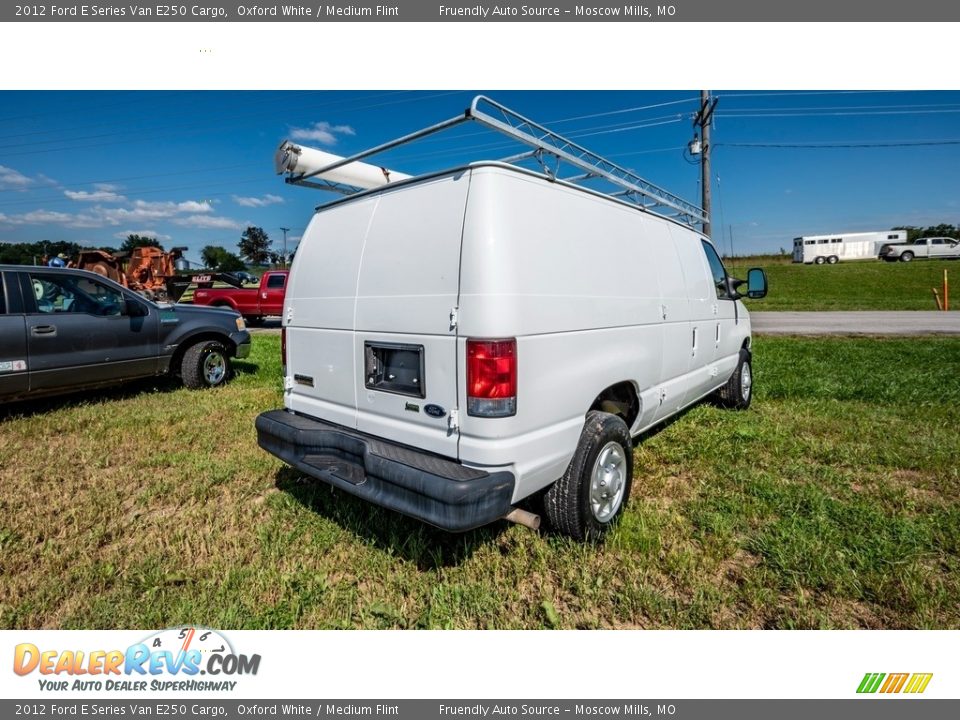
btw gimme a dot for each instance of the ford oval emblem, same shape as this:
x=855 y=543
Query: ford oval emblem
x=434 y=411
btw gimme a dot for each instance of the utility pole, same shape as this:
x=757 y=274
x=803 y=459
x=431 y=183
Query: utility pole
x=285 y=231
x=702 y=120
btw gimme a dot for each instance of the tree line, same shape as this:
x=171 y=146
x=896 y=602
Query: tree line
x=941 y=230
x=255 y=248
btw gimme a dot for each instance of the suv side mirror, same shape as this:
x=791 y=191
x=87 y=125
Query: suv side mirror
x=756 y=283
x=135 y=309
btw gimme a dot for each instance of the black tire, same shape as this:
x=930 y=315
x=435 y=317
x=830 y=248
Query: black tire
x=737 y=392
x=833 y=260
x=567 y=503
x=819 y=260
x=906 y=257
x=205 y=365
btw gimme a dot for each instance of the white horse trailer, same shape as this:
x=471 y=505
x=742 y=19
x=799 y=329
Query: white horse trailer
x=831 y=249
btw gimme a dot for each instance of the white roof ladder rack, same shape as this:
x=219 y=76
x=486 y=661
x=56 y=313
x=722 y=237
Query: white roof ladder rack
x=545 y=144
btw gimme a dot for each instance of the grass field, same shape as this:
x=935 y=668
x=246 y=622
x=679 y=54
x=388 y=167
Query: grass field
x=866 y=285
x=833 y=502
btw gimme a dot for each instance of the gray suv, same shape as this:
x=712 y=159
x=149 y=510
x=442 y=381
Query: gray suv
x=63 y=330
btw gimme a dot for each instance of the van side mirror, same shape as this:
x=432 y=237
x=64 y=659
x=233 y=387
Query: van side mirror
x=134 y=308
x=756 y=283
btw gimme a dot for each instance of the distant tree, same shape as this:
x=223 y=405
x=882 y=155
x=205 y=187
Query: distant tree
x=255 y=246
x=220 y=259
x=134 y=241
x=15 y=253
x=941 y=230
x=108 y=249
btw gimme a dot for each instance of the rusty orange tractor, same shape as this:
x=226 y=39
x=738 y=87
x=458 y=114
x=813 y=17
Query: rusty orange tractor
x=146 y=270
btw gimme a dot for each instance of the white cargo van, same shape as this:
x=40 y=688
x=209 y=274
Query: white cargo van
x=457 y=342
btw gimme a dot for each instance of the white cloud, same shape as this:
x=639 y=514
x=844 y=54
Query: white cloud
x=143 y=211
x=95 y=196
x=143 y=233
x=10 y=179
x=108 y=187
x=98 y=216
x=257 y=202
x=42 y=216
x=209 y=222
x=321 y=132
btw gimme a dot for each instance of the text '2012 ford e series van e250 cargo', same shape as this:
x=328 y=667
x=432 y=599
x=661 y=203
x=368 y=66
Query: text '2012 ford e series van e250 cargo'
x=459 y=341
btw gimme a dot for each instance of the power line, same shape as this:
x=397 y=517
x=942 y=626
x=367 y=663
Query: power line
x=621 y=111
x=843 y=107
x=793 y=93
x=732 y=116
x=835 y=145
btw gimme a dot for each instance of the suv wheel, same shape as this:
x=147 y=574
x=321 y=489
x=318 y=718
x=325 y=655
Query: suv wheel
x=590 y=497
x=737 y=393
x=206 y=364
x=906 y=257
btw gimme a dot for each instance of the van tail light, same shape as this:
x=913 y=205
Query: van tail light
x=492 y=377
x=283 y=350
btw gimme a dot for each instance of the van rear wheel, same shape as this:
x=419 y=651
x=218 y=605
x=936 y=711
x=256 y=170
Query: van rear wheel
x=590 y=497
x=737 y=393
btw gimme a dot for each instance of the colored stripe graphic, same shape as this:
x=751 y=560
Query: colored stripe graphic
x=894 y=683
x=918 y=683
x=870 y=682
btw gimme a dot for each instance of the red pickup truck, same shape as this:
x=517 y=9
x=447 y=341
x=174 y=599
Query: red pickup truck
x=253 y=303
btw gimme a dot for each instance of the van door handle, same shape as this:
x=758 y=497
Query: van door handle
x=41 y=330
x=694 y=352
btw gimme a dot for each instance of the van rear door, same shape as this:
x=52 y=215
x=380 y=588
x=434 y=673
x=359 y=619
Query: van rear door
x=369 y=334
x=406 y=330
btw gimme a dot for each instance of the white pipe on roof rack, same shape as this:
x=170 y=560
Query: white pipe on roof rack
x=301 y=160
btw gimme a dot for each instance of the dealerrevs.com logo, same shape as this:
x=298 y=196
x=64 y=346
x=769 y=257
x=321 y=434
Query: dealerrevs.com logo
x=170 y=660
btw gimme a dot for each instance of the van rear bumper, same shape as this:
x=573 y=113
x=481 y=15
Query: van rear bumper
x=424 y=486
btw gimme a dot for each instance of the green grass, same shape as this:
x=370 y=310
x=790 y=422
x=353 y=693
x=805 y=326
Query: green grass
x=834 y=502
x=865 y=285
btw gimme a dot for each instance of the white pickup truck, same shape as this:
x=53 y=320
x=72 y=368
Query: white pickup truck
x=937 y=247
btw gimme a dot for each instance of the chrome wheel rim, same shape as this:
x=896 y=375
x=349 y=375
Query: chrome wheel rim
x=214 y=368
x=746 y=381
x=608 y=481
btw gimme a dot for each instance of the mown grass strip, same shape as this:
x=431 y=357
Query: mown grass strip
x=833 y=502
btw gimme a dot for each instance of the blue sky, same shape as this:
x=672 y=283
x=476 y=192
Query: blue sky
x=195 y=168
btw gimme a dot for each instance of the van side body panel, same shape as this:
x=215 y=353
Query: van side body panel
x=574 y=278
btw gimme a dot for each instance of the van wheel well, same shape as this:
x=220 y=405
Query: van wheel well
x=620 y=399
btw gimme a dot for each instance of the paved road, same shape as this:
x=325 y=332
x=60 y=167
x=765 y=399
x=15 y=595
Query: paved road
x=870 y=322
x=919 y=322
